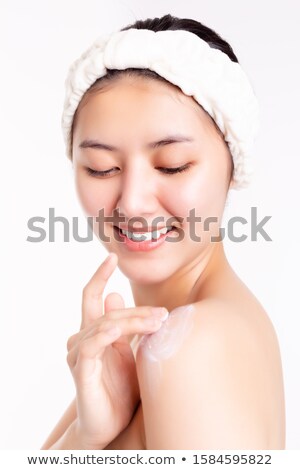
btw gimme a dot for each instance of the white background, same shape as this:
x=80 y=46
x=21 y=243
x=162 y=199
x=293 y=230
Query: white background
x=41 y=283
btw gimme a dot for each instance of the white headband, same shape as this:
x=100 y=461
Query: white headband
x=208 y=75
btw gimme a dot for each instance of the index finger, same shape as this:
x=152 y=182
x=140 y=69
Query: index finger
x=93 y=291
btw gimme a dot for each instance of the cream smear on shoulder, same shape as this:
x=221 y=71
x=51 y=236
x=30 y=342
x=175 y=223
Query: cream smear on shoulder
x=160 y=346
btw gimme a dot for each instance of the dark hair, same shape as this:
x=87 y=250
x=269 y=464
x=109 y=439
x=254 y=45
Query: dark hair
x=169 y=22
x=166 y=22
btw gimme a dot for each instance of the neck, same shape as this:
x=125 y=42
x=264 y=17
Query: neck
x=186 y=285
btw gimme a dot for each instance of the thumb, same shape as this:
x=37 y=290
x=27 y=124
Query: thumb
x=113 y=301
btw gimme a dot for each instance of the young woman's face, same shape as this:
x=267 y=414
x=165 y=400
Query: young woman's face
x=129 y=115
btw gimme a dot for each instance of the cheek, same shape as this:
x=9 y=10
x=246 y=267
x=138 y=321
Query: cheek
x=202 y=195
x=197 y=195
x=184 y=203
x=92 y=196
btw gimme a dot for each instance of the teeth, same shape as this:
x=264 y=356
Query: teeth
x=140 y=236
x=146 y=236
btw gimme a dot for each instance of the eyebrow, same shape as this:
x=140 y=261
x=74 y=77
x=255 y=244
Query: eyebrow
x=171 y=139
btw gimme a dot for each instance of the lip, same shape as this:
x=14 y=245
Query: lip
x=146 y=245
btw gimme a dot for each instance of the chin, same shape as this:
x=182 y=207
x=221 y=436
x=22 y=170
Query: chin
x=142 y=272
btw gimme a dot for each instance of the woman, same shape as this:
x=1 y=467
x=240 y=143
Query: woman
x=156 y=153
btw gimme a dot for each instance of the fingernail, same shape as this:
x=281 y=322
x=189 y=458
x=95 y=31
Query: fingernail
x=161 y=312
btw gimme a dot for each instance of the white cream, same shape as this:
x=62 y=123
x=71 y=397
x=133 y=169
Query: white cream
x=160 y=346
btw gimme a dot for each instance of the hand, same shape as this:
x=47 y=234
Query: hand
x=102 y=362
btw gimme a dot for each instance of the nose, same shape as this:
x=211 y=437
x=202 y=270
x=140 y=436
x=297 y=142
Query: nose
x=138 y=192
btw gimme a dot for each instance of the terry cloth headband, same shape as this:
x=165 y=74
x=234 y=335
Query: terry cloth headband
x=217 y=83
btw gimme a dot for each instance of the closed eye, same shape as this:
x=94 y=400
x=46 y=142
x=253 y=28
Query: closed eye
x=171 y=171
x=167 y=171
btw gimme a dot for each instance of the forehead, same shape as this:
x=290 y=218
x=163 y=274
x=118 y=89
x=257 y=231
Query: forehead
x=140 y=101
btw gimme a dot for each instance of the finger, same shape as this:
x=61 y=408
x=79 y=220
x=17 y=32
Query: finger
x=127 y=313
x=126 y=326
x=92 y=347
x=93 y=291
x=115 y=301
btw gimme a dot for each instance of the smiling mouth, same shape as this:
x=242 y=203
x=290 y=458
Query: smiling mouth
x=144 y=235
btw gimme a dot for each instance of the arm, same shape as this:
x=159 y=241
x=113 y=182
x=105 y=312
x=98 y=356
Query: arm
x=64 y=432
x=70 y=439
x=62 y=426
x=132 y=437
x=212 y=393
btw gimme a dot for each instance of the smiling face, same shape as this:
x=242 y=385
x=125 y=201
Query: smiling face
x=125 y=118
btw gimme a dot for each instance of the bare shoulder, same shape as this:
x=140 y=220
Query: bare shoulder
x=240 y=321
x=217 y=364
x=243 y=334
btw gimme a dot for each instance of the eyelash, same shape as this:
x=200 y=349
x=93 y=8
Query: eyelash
x=166 y=171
